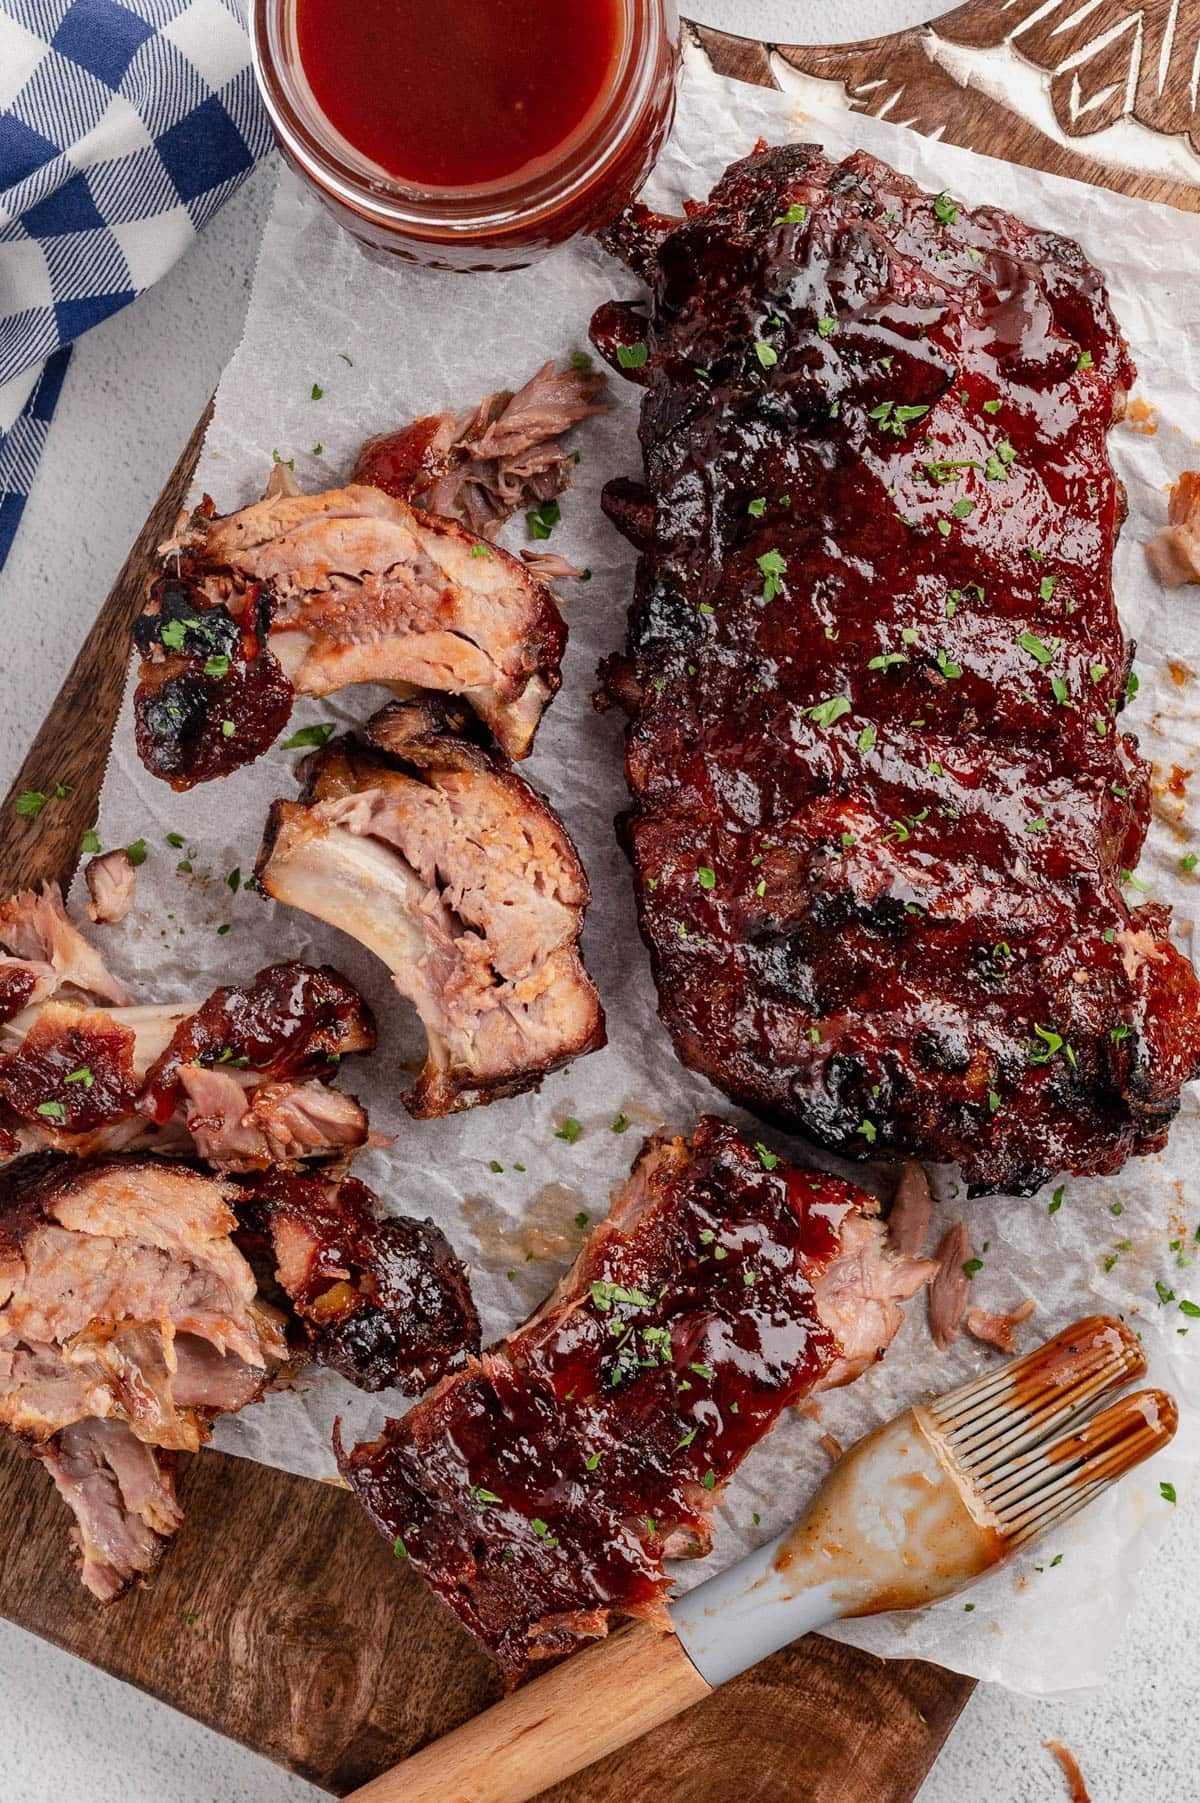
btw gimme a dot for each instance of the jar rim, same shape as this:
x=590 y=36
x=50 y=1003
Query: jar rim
x=453 y=214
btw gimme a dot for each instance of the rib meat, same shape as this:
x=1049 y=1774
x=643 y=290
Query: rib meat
x=450 y=868
x=382 y=1301
x=242 y=1080
x=128 y=1322
x=881 y=796
x=308 y=594
x=543 y=1488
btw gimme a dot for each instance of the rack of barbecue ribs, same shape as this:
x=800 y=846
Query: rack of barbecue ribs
x=883 y=805
x=540 y=1490
x=242 y=1079
x=393 y=579
x=446 y=864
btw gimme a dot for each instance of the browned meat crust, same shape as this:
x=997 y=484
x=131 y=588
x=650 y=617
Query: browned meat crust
x=543 y=1488
x=382 y=1301
x=882 y=801
x=452 y=869
x=128 y=1321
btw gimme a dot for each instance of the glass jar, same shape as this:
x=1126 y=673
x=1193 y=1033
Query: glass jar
x=502 y=225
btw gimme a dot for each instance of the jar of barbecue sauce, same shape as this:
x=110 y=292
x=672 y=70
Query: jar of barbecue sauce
x=469 y=134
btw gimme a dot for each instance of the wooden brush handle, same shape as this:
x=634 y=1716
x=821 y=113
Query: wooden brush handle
x=577 y=1713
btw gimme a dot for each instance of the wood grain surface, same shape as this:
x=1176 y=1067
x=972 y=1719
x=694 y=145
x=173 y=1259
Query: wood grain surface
x=279 y=1617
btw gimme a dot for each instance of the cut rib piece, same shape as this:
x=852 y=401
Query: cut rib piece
x=111 y=883
x=240 y=1080
x=479 y=467
x=449 y=867
x=882 y=800
x=382 y=1301
x=128 y=1321
x=543 y=1488
x=314 y=593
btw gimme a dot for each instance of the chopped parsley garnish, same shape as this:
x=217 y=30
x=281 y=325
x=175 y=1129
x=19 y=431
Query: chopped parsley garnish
x=1052 y=1044
x=891 y=417
x=774 y=567
x=1038 y=825
x=706 y=877
x=992 y=406
x=1167 y=1492
x=972 y=1266
x=826 y=327
x=709 y=1480
x=1188 y=861
x=757 y=507
x=1084 y=360
x=1047 y=587
x=541 y=1529
x=632 y=356
x=31 y=802
x=137 y=853
x=481 y=1497
x=868 y=1131
x=766 y=353
x=766 y=1157
x=495 y=1166
x=887 y=660
x=216 y=666
x=53 y=1111
x=580 y=360
x=227 y=729
x=591 y=1462
x=399 y=1550
x=89 y=845
x=309 y=735
x=481 y=550
x=621 y=1124
x=824 y=713
x=866 y=740
x=604 y=1294
x=951 y=671
x=542 y=520
x=316 y=391
x=945 y=210
x=82 y=1075
x=795 y=215
x=570 y=1130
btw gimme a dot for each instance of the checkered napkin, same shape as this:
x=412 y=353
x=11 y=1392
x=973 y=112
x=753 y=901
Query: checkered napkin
x=124 y=124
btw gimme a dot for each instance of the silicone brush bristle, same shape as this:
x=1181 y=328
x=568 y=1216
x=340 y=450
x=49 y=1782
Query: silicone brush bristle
x=987 y=1423
x=1033 y=1439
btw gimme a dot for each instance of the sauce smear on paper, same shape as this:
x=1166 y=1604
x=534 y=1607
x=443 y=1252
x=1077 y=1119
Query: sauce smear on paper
x=461 y=93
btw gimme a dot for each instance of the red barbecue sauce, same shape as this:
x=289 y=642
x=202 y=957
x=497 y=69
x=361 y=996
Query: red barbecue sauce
x=459 y=93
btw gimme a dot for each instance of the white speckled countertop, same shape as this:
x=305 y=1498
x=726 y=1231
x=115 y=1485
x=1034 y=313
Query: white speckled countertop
x=71 y=1735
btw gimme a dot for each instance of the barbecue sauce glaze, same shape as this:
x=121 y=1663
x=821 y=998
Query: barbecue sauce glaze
x=464 y=93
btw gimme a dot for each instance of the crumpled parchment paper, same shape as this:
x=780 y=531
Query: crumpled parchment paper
x=385 y=342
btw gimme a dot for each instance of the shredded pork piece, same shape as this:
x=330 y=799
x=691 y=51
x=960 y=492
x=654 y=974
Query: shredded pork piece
x=951 y=1287
x=481 y=466
x=911 y=1210
x=111 y=881
x=35 y=928
x=999 y=1330
x=1174 y=553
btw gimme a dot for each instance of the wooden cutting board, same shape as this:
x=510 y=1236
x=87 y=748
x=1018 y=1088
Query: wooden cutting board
x=280 y=1617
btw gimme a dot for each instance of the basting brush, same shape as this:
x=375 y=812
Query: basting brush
x=916 y=1511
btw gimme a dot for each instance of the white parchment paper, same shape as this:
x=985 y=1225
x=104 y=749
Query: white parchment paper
x=385 y=342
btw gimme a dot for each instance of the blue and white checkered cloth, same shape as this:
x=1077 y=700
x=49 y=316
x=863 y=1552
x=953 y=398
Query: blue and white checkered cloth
x=124 y=124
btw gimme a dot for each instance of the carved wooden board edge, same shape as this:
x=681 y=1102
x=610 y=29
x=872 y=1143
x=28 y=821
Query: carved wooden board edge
x=1106 y=94
x=71 y=747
